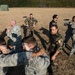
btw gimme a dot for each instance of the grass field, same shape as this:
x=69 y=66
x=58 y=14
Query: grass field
x=44 y=16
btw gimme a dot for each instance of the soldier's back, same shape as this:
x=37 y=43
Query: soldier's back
x=37 y=66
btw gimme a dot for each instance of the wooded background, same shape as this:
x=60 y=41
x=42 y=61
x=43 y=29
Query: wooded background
x=39 y=3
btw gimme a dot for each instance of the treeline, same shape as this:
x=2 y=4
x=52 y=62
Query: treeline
x=39 y=3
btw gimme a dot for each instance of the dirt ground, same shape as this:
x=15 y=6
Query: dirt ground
x=44 y=16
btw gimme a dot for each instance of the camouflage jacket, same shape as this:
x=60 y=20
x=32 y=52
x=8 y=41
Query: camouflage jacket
x=73 y=27
x=3 y=70
x=15 y=33
x=52 y=23
x=15 y=59
x=30 y=21
x=37 y=65
x=56 y=43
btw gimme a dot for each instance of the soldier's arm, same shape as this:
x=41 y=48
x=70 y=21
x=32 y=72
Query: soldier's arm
x=26 y=21
x=16 y=30
x=41 y=52
x=9 y=34
x=66 y=23
x=35 y=21
x=3 y=33
x=13 y=60
x=59 y=45
x=56 y=53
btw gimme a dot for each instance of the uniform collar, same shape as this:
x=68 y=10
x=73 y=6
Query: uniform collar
x=56 y=34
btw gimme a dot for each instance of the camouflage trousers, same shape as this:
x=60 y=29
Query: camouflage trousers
x=73 y=47
x=3 y=71
x=54 y=64
x=33 y=71
x=30 y=31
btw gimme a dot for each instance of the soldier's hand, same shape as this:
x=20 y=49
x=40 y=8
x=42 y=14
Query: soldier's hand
x=53 y=58
x=8 y=29
x=11 y=47
x=25 y=46
x=40 y=53
x=4 y=49
x=34 y=25
x=34 y=54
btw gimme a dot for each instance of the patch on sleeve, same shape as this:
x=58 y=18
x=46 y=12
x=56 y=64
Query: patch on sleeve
x=60 y=42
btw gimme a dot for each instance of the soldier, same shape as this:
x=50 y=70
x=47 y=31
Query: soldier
x=54 y=21
x=30 y=22
x=15 y=38
x=56 y=43
x=68 y=33
x=73 y=32
x=36 y=60
x=14 y=34
x=36 y=65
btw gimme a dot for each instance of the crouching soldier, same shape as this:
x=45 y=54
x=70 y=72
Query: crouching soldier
x=35 y=59
x=56 y=43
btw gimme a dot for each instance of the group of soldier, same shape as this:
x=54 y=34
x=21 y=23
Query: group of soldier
x=70 y=33
x=57 y=43
x=18 y=51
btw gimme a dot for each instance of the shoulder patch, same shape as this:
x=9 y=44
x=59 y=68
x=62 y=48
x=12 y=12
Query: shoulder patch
x=60 y=41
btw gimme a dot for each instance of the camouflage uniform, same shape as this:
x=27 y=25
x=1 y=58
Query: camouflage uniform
x=56 y=43
x=73 y=32
x=68 y=33
x=37 y=65
x=15 y=59
x=14 y=41
x=3 y=70
x=30 y=22
x=34 y=65
x=15 y=37
x=52 y=23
